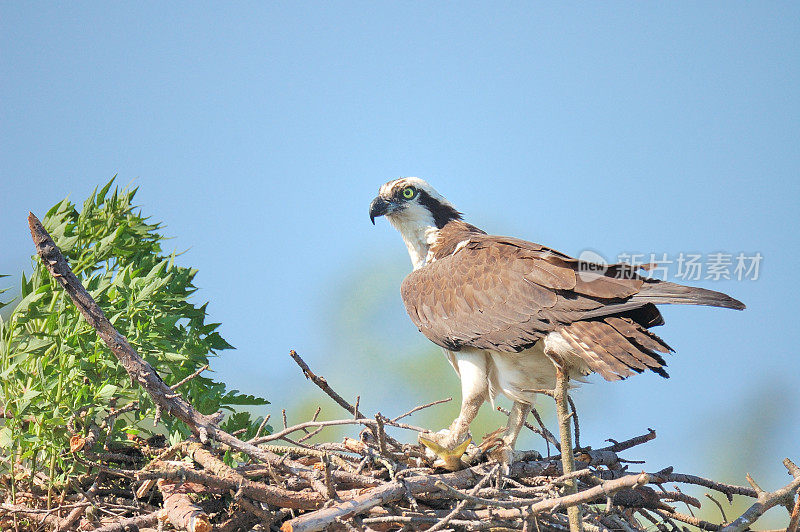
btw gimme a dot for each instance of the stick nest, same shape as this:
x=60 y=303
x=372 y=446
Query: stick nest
x=372 y=482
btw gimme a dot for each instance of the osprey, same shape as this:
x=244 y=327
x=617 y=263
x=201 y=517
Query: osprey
x=506 y=312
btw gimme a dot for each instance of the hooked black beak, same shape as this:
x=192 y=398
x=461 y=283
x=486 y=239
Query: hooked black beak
x=378 y=207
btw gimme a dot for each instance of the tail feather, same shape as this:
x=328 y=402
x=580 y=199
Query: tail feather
x=663 y=292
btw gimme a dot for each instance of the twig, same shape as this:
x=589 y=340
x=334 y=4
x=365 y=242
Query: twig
x=273 y=495
x=41 y=516
x=679 y=496
x=261 y=427
x=381 y=435
x=794 y=470
x=549 y=436
x=574 y=414
x=602 y=490
x=323 y=385
x=794 y=515
x=728 y=489
x=190 y=377
x=461 y=504
x=326 y=468
x=389 y=491
x=627 y=444
x=425 y=520
x=484 y=501
x=575 y=474
x=236 y=523
x=765 y=501
x=688 y=519
x=266 y=518
x=334 y=422
x=76 y=513
x=131 y=523
x=598 y=492
x=721 y=510
x=310 y=435
x=418 y=408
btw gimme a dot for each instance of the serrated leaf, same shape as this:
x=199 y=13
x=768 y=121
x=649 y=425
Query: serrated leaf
x=235 y=398
x=217 y=342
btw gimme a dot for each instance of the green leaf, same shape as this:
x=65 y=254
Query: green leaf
x=235 y=398
x=6 y=438
x=53 y=362
x=30 y=394
x=101 y=196
x=217 y=342
x=106 y=392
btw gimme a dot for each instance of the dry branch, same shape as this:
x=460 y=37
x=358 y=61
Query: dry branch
x=180 y=510
x=767 y=500
x=323 y=385
x=131 y=523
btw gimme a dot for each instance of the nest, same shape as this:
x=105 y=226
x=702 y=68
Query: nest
x=216 y=481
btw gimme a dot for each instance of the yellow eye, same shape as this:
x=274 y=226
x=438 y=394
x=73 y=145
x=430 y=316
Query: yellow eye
x=409 y=192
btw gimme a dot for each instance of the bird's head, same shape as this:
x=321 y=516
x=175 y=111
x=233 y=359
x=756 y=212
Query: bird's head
x=416 y=210
x=410 y=201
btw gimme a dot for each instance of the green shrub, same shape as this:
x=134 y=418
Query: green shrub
x=52 y=363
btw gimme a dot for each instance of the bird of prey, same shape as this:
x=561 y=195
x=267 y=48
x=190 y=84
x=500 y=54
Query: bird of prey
x=506 y=311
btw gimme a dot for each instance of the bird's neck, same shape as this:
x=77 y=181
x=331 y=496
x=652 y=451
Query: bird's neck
x=427 y=243
x=419 y=239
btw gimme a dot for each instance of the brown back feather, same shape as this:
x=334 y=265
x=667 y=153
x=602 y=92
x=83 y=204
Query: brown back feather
x=505 y=294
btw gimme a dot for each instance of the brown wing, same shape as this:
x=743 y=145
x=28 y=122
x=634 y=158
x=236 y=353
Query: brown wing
x=504 y=294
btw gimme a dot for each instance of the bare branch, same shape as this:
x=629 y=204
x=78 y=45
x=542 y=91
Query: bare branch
x=323 y=385
x=190 y=377
x=766 y=500
x=131 y=523
x=418 y=408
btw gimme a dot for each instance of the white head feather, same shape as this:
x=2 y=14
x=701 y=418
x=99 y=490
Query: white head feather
x=414 y=221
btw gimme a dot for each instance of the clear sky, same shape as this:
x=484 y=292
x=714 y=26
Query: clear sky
x=259 y=133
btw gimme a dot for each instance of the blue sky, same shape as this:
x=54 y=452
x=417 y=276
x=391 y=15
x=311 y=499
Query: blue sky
x=259 y=133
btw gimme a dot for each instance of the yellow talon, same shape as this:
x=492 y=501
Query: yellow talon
x=449 y=459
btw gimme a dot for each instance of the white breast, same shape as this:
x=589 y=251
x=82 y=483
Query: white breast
x=514 y=374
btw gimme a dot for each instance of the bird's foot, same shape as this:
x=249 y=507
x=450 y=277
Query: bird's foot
x=444 y=448
x=500 y=449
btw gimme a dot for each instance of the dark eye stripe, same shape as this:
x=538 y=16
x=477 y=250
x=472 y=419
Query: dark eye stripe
x=441 y=213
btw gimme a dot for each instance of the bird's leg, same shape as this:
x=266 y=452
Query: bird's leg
x=450 y=444
x=516 y=419
x=459 y=429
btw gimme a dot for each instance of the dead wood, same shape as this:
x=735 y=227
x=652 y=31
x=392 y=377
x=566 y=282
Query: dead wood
x=180 y=510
